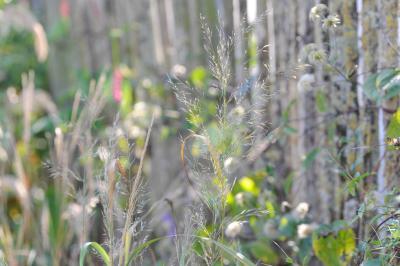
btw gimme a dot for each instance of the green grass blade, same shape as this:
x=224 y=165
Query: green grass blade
x=141 y=247
x=232 y=253
x=96 y=246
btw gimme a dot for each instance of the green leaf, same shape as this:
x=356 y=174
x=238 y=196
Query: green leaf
x=383 y=85
x=289 y=130
x=198 y=77
x=320 y=101
x=99 y=249
x=127 y=97
x=141 y=247
x=59 y=30
x=57 y=226
x=384 y=77
x=372 y=262
x=310 y=157
x=326 y=249
x=228 y=251
x=347 y=242
x=370 y=88
x=392 y=89
x=263 y=251
x=335 y=250
x=248 y=184
x=351 y=186
x=390 y=83
x=393 y=130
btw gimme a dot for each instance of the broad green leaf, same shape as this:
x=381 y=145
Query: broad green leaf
x=327 y=250
x=347 y=242
x=383 y=85
x=370 y=88
x=335 y=250
x=98 y=248
x=384 y=77
x=393 y=130
x=389 y=83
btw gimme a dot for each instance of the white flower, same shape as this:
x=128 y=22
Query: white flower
x=332 y=21
x=233 y=229
x=302 y=210
x=103 y=154
x=305 y=230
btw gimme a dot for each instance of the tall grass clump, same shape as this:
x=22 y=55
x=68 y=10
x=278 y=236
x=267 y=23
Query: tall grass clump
x=49 y=215
x=218 y=145
x=121 y=192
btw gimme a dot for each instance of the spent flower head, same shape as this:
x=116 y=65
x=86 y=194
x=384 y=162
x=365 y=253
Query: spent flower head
x=318 y=12
x=317 y=56
x=306 y=82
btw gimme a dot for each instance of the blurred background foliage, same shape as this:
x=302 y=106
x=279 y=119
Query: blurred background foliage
x=307 y=152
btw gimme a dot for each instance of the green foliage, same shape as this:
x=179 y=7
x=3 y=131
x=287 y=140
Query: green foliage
x=127 y=97
x=3 y=3
x=263 y=251
x=321 y=101
x=352 y=185
x=335 y=249
x=17 y=58
x=393 y=130
x=96 y=247
x=383 y=85
x=310 y=157
x=232 y=254
x=57 y=225
x=198 y=77
x=372 y=262
x=59 y=30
